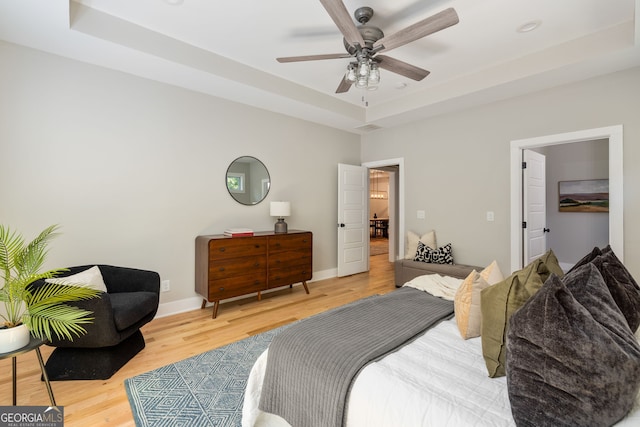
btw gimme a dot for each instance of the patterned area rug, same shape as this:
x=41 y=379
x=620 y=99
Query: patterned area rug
x=378 y=246
x=203 y=390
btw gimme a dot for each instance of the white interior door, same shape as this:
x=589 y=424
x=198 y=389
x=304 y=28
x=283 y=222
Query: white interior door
x=353 y=221
x=534 y=209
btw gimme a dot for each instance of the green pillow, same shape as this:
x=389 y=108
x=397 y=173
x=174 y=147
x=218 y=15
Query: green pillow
x=500 y=301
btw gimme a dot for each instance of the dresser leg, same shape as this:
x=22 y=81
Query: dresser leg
x=204 y=304
x=305 y=287
x=216 y=304
x=259 y=296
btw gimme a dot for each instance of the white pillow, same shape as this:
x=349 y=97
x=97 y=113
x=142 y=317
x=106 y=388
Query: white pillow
x=428 y=238
x=467 y=299
x=91 y=278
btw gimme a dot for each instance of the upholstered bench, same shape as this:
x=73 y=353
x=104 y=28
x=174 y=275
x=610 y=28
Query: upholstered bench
x=406 y=269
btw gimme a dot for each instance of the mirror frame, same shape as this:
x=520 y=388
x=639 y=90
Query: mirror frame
x=246 y=195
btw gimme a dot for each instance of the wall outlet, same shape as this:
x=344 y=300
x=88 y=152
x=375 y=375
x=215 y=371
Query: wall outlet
x=490 y=216
x=165 y=286
x=420 y=214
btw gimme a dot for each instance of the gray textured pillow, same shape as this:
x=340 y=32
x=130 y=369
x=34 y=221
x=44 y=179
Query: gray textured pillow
x=624 y=289
x=571 y=357
x=595 y=252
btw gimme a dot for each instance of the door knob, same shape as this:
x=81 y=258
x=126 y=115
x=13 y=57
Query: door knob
x=546 y=230
x=341 y=225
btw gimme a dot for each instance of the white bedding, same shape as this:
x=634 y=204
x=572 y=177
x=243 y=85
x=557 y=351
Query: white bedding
x=437 y=380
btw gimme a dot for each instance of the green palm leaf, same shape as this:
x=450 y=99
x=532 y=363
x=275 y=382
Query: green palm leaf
x=43 y=309
x=62 y=319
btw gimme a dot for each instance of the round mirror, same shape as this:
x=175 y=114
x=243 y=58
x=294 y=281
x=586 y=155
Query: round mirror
x=248 y=180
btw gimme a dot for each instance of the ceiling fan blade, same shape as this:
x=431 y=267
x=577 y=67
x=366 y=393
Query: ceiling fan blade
x=313 y=57
x=344 y=86
x=401 y=67
x=430 y=25
x=341 y=17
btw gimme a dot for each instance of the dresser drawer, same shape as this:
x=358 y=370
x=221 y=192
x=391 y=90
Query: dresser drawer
x=291 y=258
x=229 y=267
x=288 y=242
x=234 y=247
x=235 y=286
x=288 y=275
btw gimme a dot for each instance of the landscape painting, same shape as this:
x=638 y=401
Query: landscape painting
x=590 y=195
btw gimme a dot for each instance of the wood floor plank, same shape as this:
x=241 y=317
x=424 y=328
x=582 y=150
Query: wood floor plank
x=174 y=338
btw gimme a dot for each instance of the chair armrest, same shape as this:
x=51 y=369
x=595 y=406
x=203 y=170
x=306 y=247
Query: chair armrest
x=101 y=332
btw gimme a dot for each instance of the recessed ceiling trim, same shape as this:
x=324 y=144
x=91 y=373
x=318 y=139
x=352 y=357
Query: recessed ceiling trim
x=115 y=30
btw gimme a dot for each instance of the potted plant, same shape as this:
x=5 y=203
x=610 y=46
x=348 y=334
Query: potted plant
x=37 y=310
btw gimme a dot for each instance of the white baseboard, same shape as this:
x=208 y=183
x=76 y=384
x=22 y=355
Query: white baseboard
x=195 y=302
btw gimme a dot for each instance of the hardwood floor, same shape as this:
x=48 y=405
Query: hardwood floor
x=173 y=338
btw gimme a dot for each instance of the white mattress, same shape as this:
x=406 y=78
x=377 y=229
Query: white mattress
x=437 y=380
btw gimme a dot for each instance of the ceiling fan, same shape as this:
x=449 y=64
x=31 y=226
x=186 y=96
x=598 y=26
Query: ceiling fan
x=364 y=42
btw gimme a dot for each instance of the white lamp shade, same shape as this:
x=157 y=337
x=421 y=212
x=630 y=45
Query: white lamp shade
x=280 y=209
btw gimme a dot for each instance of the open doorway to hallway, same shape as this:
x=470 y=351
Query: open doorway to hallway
x=378 y=212
x=395 y=169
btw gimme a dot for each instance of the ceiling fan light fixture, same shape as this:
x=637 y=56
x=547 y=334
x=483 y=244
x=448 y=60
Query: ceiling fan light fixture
x=364 y=74
x=350 y=75
x=374 y=75
x=363 y=68
x=362 y=82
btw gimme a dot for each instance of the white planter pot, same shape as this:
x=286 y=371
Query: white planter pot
x=14 y=338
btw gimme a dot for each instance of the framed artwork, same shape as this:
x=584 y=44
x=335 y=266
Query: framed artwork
x=589 y=195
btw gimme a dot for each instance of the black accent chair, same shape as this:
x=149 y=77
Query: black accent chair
x=114 y=337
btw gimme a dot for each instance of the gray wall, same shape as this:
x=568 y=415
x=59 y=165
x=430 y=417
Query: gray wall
x=572 y=234
x=457 y=165
x=133 y=170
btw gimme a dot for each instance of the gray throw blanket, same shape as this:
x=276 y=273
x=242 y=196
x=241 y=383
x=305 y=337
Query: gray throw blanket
x=311 y=365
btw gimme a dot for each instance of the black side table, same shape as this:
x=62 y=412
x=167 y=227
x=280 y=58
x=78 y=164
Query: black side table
x=34 y=344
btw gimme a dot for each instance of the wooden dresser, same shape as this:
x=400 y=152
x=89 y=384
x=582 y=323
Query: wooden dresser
x=228 y=267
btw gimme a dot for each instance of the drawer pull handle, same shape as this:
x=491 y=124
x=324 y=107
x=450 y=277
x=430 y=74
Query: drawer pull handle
x=222 y=249
x=221 y=269
x=257 y=282
x=221 y=289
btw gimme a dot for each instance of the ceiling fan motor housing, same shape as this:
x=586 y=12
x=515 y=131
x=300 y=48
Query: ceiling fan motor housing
x=370 y=34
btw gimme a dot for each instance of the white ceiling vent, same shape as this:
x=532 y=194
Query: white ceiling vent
x=368 y=128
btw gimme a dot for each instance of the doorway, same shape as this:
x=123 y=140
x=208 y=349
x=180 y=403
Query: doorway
x=379 y=183
x=616 y=212
x=394 y=203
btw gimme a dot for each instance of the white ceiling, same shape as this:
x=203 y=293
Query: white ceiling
x=228 y=49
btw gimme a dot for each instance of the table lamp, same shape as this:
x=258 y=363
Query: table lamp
x=280 y=210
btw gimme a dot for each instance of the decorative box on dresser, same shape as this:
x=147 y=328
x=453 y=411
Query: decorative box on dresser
x=228 y=267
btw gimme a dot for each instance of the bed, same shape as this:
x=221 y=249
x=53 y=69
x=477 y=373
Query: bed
x=436 y=378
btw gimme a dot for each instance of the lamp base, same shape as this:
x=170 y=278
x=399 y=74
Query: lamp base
x=281 y=226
